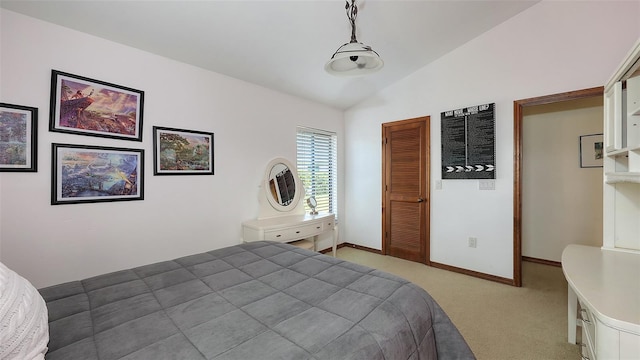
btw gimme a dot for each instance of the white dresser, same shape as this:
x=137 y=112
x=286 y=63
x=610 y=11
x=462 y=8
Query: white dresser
x=604 y=300
x=290 y=228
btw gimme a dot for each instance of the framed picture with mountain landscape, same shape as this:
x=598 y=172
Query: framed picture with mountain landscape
x=182 y=152
x=89 y=174
x=84 y=106
x=18 y=138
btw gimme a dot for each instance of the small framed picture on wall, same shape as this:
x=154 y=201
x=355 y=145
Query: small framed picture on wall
x=591 y=150
x=18 y=138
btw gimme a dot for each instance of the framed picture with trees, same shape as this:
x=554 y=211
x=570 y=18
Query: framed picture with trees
x=182 y=152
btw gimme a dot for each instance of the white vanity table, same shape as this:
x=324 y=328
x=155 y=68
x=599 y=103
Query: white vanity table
x=290 y=228
x=282 y=217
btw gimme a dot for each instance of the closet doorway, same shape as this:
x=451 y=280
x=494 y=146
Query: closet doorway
x=521 y=108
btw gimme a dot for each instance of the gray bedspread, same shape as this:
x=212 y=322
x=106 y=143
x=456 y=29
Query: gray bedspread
x=260 y=300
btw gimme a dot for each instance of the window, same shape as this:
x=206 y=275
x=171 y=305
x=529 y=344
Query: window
x=317 y=167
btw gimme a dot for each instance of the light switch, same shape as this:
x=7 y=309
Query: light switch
x=487 y=185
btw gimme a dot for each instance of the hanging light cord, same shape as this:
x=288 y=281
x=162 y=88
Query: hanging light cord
x=352 y=12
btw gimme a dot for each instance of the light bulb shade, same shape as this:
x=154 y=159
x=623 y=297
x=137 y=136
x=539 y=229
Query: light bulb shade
x=354 y=59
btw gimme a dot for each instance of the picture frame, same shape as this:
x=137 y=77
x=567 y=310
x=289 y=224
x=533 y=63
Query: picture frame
x=18 y=138
x=182 y=152
x=591 y=150
x=90 y=174
x=84 y=106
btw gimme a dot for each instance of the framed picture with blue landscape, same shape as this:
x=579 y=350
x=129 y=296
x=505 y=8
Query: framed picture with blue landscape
x=89 y=174
x=182 y=152
x=18 y=138
x=84 y=106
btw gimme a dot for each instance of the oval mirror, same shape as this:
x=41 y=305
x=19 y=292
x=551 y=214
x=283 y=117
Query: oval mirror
x=281 y=184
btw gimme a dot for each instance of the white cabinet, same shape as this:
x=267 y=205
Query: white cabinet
x=633 y=113
x=622 y=156
x=613 y=117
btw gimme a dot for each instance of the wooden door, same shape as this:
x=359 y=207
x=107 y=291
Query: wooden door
x=405 y=184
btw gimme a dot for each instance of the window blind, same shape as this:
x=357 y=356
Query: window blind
x=317 y=167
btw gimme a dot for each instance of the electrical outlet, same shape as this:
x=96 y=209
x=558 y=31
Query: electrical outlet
x=473 y=242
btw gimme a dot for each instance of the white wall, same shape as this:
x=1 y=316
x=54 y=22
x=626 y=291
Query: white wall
x=550 y=48
x=561 y=202
x=180 y=215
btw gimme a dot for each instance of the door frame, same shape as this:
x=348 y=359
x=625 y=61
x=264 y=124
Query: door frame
x=518 y=110
x=427 y=177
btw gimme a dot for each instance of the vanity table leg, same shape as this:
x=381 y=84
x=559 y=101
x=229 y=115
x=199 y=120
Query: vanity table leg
x=572 y=311
x=335 y=240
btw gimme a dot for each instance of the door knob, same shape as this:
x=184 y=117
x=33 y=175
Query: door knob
x=420 y=200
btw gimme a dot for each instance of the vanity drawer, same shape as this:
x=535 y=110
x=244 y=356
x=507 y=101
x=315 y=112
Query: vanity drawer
x=329 y=224
x=293 y=233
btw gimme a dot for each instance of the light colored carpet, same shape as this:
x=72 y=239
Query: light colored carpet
x=498 y=321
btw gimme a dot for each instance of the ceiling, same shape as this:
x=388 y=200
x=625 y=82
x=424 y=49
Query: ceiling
x=283 y=45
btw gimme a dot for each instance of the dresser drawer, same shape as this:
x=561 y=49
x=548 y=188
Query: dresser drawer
x=294 y=233
x=588 y=324
x=587 y=351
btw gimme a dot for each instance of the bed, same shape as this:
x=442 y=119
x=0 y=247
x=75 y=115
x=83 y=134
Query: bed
x=259 y=300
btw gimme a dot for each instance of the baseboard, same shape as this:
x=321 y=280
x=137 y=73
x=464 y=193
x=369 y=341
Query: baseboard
x=364 y=248
x=436 y=265
x=473 y=273
x=328 y=250
x=542 y=261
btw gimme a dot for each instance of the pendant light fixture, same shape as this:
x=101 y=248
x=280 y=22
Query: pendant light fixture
x=353 y=58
